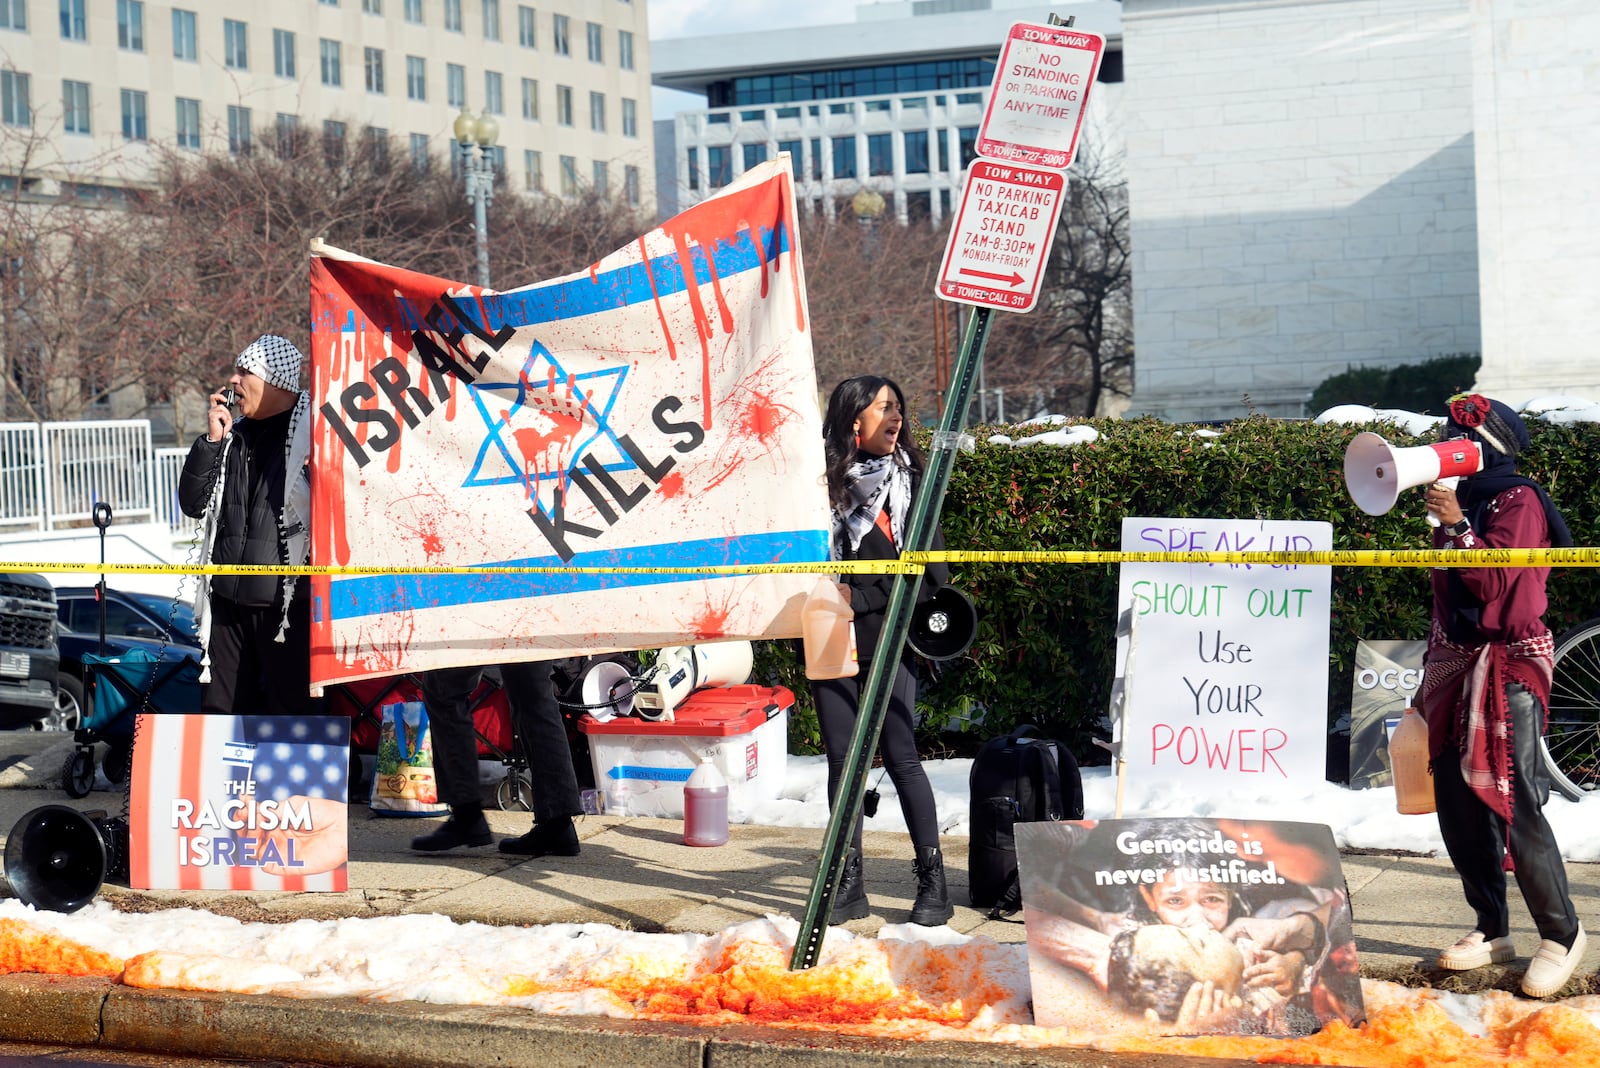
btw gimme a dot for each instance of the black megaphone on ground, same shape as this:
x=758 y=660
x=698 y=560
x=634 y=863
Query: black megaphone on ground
x=57 y=857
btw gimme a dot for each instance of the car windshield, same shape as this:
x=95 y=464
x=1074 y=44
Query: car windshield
x=167 y=609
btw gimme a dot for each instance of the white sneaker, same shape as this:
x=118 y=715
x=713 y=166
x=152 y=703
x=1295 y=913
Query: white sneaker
x=1474 y=951
x=1553 y=965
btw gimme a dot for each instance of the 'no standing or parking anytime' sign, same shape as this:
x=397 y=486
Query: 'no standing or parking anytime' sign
x=1001 y=236
x=1041 y=87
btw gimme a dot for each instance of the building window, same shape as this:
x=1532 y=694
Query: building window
x=597 y=43
x=494 y=95
x=844 y=157
x=533 y=163
x=14 y=95
x=130 y=26
x=287 y=128
x=564 y=105
x=375 y=143
x=235 y=45
x=328 y=3
x=333 y=142
x=942 y=140
x=559 y=34
x=238 y=130
x=755 y=154
x=491 y=20
x=135 y=120
x=455 y=85
x=602 y=182
x=692 y=156
x=372 y=62
x=413 y=12
x=793 y=150
x=597 y=112
x=183 y=39
x=968 y=136
x=283 y=53
x=816 y=159
x=332 y=62
x=13 y=14
x=452 y=15
x=527 y=32
x=916 y=142
x=630 y=185
x=880 y=153
x=630 y=118
x=188 y=122
x=371 y=7
x=75 y=107
x=530 y=100
x=74 y=24
x=625 y=49
x=420 y=155
x=416 y=78
x=719 y=166
x=569 y=176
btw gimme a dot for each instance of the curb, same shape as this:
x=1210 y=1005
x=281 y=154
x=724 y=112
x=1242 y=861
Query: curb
x=100 y=1013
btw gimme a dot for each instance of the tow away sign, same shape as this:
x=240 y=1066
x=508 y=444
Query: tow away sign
x=1040 y=90
x=1001 y=236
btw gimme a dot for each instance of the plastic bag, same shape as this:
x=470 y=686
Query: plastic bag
x=403 y=781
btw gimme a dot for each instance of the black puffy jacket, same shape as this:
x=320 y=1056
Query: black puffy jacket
x=869 y=594
x=252 y=504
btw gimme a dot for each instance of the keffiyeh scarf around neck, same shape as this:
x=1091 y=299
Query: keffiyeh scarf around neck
x=869 y=484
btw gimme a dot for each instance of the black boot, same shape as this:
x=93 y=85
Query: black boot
x=465 y=827
x=553 y=838
x=850 y=903
x=932 y=906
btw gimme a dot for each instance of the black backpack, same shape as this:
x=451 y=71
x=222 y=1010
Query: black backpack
x=1021 y=778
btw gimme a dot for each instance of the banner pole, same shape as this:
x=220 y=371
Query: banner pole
x=874 y=700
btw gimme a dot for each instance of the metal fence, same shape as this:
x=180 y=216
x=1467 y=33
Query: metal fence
x=89 y=462
x=168 y=465
x=22 y=505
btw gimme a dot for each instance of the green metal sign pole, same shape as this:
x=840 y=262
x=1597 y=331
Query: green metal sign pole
x=874 y=700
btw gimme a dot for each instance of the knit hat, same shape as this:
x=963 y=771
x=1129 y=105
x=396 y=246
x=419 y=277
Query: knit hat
x=1489 y=421
x=274 y=360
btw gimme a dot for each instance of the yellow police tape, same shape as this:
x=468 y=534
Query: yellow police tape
x=908 y=564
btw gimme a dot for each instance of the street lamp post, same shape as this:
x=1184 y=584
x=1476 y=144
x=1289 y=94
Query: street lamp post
x=477 y=169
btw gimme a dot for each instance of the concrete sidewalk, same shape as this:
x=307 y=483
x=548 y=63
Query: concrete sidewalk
x=633 y=873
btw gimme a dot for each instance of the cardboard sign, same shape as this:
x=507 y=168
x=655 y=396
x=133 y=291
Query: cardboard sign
x=239 y=803
x=656 y=410
x=1040 y=90
x=1001 y=238
x=1127 y=918
x=1229 y=684
x=1387 y=677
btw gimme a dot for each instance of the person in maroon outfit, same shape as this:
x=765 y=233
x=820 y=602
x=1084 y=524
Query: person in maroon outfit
x=1485 y=692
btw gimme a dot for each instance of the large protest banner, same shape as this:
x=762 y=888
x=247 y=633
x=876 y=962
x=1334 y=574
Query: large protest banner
x=658 y=409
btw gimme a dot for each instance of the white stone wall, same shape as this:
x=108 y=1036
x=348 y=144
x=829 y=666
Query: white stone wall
x=1537 y=139
x=1301 y=186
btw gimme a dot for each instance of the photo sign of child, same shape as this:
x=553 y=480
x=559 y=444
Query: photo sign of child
x=1185 y=926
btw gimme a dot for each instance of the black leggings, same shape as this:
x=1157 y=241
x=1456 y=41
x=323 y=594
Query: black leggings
x=836 y=701
x=1475 y=835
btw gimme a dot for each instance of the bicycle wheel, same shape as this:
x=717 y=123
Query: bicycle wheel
x=1571 y=743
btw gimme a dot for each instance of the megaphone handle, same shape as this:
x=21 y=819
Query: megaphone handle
x=1449 y=482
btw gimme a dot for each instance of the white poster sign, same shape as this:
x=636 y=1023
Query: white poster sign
x=1229 y=689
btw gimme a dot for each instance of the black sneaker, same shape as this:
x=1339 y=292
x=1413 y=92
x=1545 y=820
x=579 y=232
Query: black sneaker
x=557 y=838
x=455 y=832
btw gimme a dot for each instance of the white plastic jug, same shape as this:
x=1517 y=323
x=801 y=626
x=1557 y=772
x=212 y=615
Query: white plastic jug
x=705 y=806
x=828 y=632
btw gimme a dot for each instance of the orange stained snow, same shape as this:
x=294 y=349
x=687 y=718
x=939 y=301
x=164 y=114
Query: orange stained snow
x=752 y=982
x=26 y=948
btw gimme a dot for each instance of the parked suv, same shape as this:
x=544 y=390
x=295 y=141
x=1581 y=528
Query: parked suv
x=29 y=658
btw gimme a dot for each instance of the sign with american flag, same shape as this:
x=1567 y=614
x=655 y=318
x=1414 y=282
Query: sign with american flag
x=658 y=409
x=239 y=803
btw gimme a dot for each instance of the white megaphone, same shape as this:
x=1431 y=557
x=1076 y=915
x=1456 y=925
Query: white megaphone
x=682 y=669
x=607 y=690
x=1375 y=472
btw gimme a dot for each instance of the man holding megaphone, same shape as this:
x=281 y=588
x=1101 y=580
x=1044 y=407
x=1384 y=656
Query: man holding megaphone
x=1485 y=692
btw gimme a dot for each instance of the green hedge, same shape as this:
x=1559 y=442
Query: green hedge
x=1046 y=646
x=1412 y=387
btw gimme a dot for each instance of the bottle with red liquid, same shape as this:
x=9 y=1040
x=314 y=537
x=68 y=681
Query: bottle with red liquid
x=705 y=806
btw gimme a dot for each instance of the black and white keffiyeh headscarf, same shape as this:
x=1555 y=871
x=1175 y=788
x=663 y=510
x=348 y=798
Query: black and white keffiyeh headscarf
x=868 y=483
